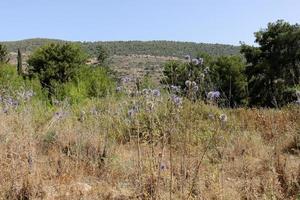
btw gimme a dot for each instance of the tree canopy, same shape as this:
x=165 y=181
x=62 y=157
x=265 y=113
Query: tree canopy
x=56 y=63
x=273 y=68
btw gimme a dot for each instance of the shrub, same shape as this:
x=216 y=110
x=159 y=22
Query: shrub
x=56 y=64
x=88 y=82
x=11 y=82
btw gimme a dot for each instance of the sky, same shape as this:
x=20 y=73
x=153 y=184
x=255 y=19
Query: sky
x=207 y=21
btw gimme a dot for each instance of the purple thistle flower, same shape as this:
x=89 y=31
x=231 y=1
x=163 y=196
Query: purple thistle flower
x=60 y=114
x=163 y=166
x=188 y=84
x=156 y=93
x=223 y=118
x=213 y=95
x=175 y=89
x=195 y=61
x=206 y=70
x=118 y=89
x=187 y=57
x=195 y=88
x=131 y=112
x=176 y=100
x=194 y=84
x=125 y=79
x=201 y=61
x=146 y=91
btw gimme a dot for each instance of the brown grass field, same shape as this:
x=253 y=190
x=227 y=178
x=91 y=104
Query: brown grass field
x=98 y=151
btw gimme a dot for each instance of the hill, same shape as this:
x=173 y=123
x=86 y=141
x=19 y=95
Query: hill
x=154 y=48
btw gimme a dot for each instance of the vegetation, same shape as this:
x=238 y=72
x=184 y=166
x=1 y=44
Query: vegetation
x=148 y=147
x=155 y=48
x=103 y=54
x=3 y=54
x=270 y=78
x=225 y=74
x=71 y=131
x=273 y=70
x=56 y=64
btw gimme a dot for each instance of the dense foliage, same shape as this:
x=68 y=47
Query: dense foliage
x=63 y=73
x=98 y=84
x=56 y=64
x=223 y=73
x=273 y=69
x=102 y=54
x=270 y=77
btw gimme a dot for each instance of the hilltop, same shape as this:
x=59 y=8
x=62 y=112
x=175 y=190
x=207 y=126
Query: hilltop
x=154 y=48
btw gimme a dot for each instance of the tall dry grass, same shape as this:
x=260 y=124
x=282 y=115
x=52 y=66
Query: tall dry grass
x=100 y=150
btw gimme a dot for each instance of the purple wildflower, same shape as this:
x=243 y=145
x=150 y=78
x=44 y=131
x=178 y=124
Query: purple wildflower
x=60 y=114
x=176 y=100
x=195 y=61
x=194 y=84
x=201 y=61
x=146 y=91
x=187 y=57
x=223 y=118
x=188 y=83
x=175 y=89
x=125 y=79
x=156 y=93
x=213 y=95
x=163 y=166
x=118 y=89
x=195 y=88
x=206 y=70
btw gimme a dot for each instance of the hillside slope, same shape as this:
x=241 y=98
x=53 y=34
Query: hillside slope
x=154 y=48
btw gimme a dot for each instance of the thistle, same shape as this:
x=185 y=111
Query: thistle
x=213 y=95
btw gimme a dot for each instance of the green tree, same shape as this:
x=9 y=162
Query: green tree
x=229 y=77
x=273 y=68
x=102 y=54
x=3 y=54
x=56 y=63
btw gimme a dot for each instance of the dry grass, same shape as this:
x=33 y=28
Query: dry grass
x=168 y=153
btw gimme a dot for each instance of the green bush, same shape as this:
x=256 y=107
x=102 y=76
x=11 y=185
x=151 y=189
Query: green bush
x=56 y=64
x=11 y=82
x=88 y=82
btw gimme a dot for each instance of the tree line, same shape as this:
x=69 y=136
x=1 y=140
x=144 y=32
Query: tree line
x=267 y=76
x=155 y=48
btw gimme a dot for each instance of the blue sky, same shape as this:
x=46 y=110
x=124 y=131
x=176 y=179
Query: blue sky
x=209 y=21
